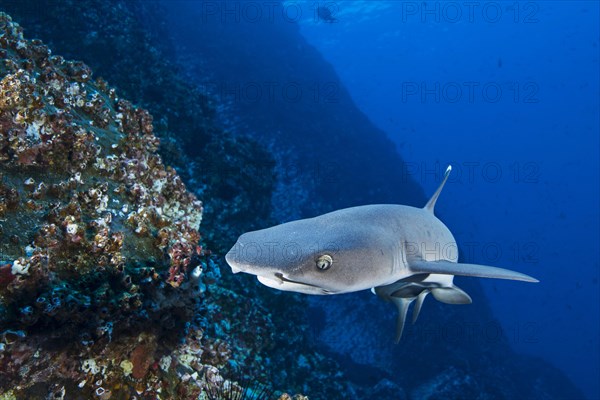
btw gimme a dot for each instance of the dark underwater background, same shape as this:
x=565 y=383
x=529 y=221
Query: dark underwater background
x=269 y=112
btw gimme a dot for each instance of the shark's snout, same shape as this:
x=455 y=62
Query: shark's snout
x=230 y=257
x=238 y=264
x=250 y=257
x=236 y=260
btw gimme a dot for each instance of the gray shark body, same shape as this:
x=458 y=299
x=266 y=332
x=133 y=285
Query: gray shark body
x=401 y=253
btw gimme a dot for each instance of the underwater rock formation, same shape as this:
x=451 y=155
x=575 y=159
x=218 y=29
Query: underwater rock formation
x=100 y=262
x=126 y=43
x=92 y=217
x=104 y=290
x=97 y=235
x=232 y=175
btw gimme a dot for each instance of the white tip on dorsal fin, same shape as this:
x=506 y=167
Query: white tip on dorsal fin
x=431 y=203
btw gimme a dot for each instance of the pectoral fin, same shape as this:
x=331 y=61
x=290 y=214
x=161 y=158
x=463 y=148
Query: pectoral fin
x=451 y=295
x=480 y=271
x=403 y=293
x=418 y=305
x=402 y=305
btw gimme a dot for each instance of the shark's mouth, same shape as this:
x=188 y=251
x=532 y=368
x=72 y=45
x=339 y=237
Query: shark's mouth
x=282 y=283
x=284 y=279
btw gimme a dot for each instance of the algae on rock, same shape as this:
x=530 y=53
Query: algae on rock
x=97 y=236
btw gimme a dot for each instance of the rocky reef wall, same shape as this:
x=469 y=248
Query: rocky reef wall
x=105 y=290
x=98 y=236
x=127 y=43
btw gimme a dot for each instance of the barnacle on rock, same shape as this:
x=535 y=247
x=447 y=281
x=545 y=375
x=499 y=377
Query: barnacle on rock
x=98 y=237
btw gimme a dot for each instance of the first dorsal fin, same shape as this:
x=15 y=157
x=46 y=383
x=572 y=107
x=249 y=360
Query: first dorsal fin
x=431 y=203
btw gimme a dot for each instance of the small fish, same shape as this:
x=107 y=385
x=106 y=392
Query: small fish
x=325 y=14
x=401 y=253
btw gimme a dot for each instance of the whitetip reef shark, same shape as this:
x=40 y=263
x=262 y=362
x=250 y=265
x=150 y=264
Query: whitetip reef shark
x=401 y=253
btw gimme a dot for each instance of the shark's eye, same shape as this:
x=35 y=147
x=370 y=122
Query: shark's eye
x=324 y=262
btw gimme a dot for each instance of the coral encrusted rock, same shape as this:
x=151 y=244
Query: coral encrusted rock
x=96 y=234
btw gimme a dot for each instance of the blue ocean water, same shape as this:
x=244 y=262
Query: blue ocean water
x=506 y=92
